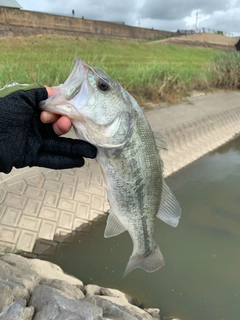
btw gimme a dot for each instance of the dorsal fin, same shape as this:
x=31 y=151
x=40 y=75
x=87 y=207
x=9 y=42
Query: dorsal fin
x=169 y=211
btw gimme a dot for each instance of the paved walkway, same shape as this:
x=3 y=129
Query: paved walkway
x=38 y=205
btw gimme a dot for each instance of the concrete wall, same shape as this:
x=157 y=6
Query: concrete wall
x=15 y=22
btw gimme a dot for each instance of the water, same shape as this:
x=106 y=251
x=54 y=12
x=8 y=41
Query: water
x=200 y=280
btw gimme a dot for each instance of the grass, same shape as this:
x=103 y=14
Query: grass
x=148 y=70
x=224 y=71
x=9 y=250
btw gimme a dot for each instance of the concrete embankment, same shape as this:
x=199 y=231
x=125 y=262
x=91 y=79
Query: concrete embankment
x=196 y=127
x=50 y=204
x=38 y=204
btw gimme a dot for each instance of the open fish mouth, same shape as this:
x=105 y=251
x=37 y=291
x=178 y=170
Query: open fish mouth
x=71 y=96
x=87 y=90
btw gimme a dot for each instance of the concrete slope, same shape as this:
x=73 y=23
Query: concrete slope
x=38 y=205
x=194 y=128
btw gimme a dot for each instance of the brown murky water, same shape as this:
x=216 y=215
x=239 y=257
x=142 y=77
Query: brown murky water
x=201 y=278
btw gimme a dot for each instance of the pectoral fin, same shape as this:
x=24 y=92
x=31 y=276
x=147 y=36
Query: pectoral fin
x=169 y=211
x=160 y=143
x=113 y=227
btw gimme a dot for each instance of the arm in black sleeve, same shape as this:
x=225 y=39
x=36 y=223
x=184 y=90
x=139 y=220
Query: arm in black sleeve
x=26 y=141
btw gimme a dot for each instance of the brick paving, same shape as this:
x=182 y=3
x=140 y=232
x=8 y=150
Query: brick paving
x=38 y=203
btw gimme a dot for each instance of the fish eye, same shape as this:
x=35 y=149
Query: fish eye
x=103 y=85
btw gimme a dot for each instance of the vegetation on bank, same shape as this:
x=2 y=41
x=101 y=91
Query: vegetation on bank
x=150 y=71
x=224 y=71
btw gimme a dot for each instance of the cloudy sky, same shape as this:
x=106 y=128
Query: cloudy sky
x=167 y=15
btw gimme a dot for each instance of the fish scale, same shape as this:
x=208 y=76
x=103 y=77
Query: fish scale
x=107 y=116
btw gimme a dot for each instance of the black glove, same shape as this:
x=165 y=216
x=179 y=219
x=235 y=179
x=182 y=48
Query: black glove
x=26 y=141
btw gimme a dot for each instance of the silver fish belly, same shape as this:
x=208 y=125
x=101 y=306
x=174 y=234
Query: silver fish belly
x=128 y=153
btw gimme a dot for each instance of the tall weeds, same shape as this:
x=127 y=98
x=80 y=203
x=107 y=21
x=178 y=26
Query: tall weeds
x=157 y=83
x=150 y=71
x=224 y=71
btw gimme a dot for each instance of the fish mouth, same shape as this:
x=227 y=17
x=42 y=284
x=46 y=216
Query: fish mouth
x=71 y=95
x=77 y=99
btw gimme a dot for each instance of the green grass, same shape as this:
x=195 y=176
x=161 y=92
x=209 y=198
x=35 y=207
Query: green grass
x=224 y=71
x=148 y=70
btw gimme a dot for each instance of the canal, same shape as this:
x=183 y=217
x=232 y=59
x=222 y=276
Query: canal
x=200 y=279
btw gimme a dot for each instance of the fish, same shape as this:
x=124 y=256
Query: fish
x=107 y=116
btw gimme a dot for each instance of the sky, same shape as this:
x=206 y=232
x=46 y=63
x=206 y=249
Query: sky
x=170 y=15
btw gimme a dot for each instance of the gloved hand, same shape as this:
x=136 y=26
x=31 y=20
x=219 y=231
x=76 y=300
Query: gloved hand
x=26 y=141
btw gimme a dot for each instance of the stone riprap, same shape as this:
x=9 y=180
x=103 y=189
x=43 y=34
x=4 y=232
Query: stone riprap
x=38 y=203
x=39 y=290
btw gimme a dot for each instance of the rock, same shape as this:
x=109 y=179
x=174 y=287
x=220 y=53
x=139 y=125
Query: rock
x=110 y=310
x=117 y=309
x=118 y=304
x=92 y=289
x=50 y=304
x=6 y=296
x=42 y=294
x=22 y=275
x=70 y=290
x=16 y=312
x=50 y=270
x=22 y=302
x=154 y=312
x=16 y=269
x=19 y=292
x=52 y=295
x=15 y=261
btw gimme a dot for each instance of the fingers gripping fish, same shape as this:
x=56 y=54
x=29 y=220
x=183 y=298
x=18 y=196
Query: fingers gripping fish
x=107 y=116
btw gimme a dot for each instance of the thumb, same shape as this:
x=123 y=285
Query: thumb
x=50 y=91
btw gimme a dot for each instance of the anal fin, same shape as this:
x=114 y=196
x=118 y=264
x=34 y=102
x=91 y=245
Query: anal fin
x=169 y=211
x=113 y=227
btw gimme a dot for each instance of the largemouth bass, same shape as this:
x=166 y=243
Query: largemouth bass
x=107 y=116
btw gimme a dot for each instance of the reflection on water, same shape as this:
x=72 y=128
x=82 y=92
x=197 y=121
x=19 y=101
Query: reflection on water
x=201 y=277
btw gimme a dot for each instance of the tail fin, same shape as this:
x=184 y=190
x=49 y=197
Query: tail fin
x=150 y=263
